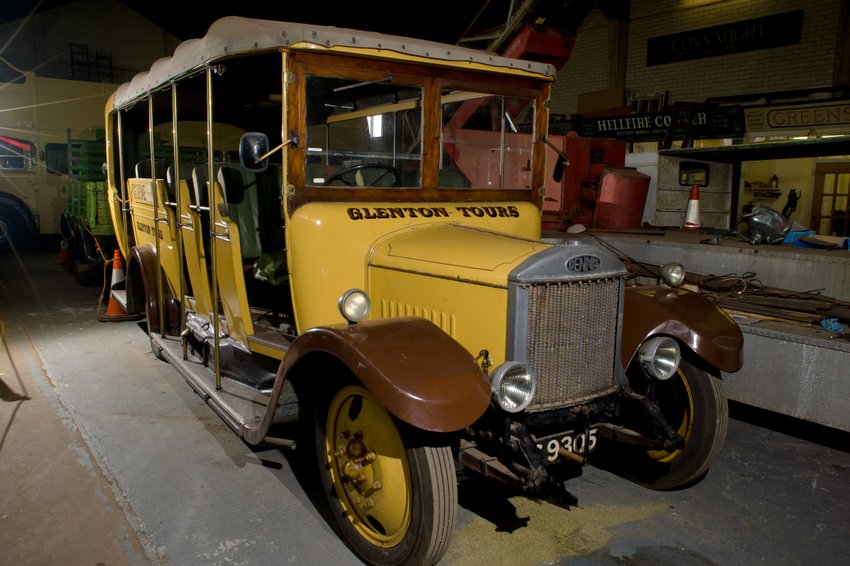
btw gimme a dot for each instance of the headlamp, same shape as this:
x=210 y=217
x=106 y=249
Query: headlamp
x=513 y=385
x=354 y=305
x=660 y=357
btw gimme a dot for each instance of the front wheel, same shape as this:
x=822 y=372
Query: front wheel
x=392 y=499
x=9 y=231
x=694 y=403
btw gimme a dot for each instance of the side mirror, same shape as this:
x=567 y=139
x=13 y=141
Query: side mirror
x=253 y=151
x=561 y=164
x=558 y=171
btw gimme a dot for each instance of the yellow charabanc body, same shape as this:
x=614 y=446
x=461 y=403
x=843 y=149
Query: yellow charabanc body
x=344 y=229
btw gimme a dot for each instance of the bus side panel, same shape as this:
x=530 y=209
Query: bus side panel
x=194 y=250
x=140 y=196
x=113 y=183
x=230 y=273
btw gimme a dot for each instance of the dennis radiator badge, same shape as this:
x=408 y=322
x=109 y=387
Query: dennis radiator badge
x=583 y=263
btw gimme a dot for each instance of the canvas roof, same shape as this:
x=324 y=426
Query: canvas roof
x=233 y=35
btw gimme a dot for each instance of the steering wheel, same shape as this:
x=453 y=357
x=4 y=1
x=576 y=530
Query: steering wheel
x=349 y=175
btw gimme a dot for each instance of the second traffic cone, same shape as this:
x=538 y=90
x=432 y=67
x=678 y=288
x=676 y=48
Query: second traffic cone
x=115 y=308
x=64 y=253
x=692 y=212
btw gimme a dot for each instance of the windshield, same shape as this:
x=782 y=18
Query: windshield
x=399 y=132
x=368 y=133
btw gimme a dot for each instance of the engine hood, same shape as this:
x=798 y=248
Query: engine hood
x=455 y=252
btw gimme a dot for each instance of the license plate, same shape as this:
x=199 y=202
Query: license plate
x=577 y=443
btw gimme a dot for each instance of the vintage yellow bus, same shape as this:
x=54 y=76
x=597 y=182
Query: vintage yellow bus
x=38 y=117
x=342 y=230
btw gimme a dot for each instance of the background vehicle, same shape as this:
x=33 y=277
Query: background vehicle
x=408 y=177
x=42 y=119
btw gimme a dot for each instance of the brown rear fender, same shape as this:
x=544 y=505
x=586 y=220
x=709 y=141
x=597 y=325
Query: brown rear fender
x=141 y=290
x=414 y=369
x=689 y=317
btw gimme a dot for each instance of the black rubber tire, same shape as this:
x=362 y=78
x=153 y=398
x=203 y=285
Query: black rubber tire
x=17 y=225
x=432 y=488
x=10 y=231
x=695 y=405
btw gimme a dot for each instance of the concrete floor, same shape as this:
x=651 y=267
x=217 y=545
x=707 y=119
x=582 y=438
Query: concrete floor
x=108 y=457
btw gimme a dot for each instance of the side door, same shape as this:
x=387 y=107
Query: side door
x=830 y=202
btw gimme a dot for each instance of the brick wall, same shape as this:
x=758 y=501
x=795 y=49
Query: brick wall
x=587 y=68
x=806 y=65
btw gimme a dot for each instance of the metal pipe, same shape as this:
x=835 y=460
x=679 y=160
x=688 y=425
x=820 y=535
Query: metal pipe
x=122 y=180
x=281 y=442
x=502 y=141
x=578 y=458
x=213 y=233
x=159 y=285
x=180 y=255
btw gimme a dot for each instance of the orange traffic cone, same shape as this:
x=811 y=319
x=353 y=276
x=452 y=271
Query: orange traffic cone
x=692 y=212
x=64 y=253
x=115 y=309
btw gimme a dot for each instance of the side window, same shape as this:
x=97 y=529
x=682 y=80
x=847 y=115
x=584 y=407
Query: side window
x=16 y=154
x=486 y=141
x=56 y=158
x=363 y=133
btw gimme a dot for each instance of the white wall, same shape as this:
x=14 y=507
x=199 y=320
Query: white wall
x=809 y=64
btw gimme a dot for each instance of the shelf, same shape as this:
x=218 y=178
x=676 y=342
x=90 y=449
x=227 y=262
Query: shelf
x=766 y=194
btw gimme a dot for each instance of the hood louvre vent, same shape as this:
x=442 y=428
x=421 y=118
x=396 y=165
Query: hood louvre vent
x=446 y=321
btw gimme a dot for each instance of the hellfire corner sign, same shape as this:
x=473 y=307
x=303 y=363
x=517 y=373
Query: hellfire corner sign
x=777 y=30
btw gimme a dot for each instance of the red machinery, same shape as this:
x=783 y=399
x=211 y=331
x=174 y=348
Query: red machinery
x=544 y=30
x=574 y=199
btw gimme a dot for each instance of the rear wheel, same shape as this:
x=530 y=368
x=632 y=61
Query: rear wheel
x=9 y=231
x=392 y=498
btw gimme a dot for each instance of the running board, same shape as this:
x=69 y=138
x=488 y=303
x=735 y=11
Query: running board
x=240 y=406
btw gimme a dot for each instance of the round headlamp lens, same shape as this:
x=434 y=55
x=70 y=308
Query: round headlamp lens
x=354 y=305
x=513 y=385
x=673 y=273
x=660 y=357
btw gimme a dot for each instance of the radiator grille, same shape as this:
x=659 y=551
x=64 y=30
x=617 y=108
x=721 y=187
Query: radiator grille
x=571 y=340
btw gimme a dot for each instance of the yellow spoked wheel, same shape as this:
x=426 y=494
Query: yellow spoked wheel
x=391 y=490
x=680 y=414
x=694 y=404
x=368 y=467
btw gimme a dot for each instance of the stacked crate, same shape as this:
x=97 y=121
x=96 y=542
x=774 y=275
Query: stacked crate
x=86 y=202
x=85 y=194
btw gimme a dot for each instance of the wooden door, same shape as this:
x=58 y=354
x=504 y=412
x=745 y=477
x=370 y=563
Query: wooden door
x=831 y=201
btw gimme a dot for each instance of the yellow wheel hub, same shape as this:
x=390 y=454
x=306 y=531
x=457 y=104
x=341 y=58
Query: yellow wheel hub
x=685 y=426
x=368 y=466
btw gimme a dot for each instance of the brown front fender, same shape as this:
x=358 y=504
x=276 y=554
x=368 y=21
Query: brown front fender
x=686 y=316
x=414 y=369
